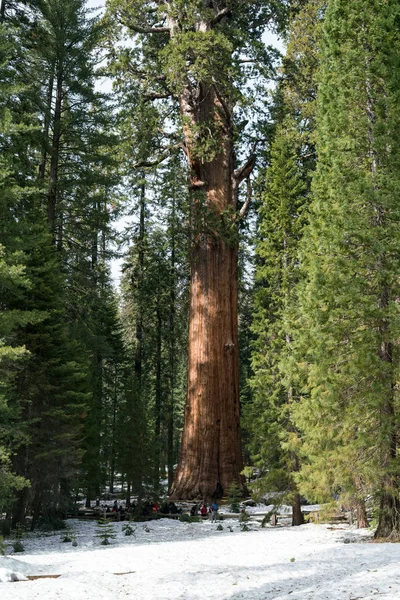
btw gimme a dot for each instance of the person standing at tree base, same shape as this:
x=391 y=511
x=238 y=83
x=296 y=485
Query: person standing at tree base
x=214 y=510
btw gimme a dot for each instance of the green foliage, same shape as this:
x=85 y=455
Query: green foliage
x=105 y=531
x=185 y=518
x=128 y=530
x=268 y=416
x=197 y=57
x=19 y=535
x=18 y=546
x=219 y=527
x=346 y=324
x=234 y=494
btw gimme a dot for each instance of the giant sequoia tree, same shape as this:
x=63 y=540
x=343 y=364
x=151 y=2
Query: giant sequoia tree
x=195 y=57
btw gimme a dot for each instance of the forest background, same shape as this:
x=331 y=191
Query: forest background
x=93 y=380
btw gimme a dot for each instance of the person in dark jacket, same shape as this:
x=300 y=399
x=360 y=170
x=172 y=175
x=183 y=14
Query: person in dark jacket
x=214 y=510
x=173 y=508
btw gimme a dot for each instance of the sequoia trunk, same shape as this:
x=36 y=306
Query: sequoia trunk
x=211 y=456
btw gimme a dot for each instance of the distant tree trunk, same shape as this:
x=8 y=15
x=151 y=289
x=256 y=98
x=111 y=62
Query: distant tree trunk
x=211 y=452
x=2 y=10
x=170 y=410
x=389 y=508
x=361 y=512
x=20 y=506
x=157 y=407
x=297 y=515
x=46 y=127
x=113 y=433
x=55 y=157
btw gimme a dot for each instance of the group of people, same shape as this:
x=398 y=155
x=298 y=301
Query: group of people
x=205 y=511
x=167 y=508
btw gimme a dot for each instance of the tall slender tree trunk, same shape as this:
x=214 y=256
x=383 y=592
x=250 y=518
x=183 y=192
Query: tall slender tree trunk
x=361 y=514
x=170 y=409
x=2 y=10
x=113 y=434
x=55 y=157
x=157 y=407
x=297 y=515
x=389 y=507
x=211 y=453
x=46 y=127
x=389 y=510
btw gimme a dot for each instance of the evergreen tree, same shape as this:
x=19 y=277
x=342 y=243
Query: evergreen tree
x=347 y=327
x=276 y=275
x=274 y=440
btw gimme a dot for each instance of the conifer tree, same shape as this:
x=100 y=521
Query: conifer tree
x=347 y=327
x=274 y=442
x=274 y=435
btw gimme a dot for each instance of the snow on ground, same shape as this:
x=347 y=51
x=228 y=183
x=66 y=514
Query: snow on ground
x=170 y=560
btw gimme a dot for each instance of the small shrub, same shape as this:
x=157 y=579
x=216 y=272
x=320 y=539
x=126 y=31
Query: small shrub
x=18 y=546
x=220 y=528
x=292 y=559
x=105 y=531
x=185 y=518
x=128 y=530
x=244 y=527
x=74 y=543
x=66 y=539
x=2 y=547
x=234 y=495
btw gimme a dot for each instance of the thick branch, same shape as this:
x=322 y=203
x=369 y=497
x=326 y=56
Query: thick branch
x=225 y=12
x=139 y=29
x=224 y=105
x=151 y=97
x=245 y=208
x=157 y=161
x=245 y=170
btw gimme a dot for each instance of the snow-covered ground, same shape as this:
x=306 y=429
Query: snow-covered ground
x=170 y=560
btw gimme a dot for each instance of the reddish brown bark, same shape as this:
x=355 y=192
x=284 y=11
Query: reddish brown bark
x=211 y=455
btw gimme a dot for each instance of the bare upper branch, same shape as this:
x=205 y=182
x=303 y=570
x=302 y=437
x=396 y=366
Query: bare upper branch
x=245 y=170
x=225 y=12
x=139 y=29
x=245 y=208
